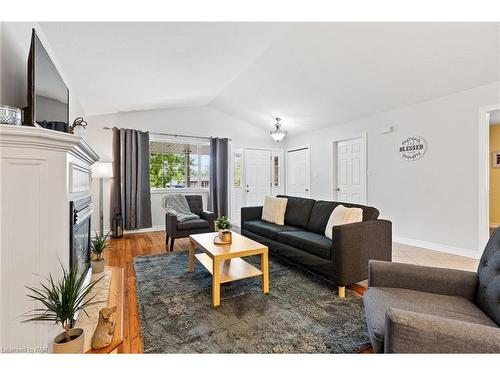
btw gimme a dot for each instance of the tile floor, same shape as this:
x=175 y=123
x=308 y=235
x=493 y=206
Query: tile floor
x=417 y=255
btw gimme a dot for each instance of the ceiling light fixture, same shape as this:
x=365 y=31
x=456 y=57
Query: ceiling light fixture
x=278 y=134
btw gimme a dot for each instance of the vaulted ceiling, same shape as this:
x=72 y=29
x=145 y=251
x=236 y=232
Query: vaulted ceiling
x=310 y=74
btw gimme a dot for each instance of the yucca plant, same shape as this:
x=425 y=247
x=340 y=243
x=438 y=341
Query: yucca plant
x=99 y=244
x=61 y=300
x=222 y=223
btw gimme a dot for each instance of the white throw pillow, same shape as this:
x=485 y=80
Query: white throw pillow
x=274 y=210
x=342 y=215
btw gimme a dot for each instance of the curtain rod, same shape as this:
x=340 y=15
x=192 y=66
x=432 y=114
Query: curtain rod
x=170 y=135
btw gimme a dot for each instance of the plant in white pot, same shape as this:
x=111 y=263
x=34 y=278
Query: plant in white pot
x=61 y=301
x=99 y=243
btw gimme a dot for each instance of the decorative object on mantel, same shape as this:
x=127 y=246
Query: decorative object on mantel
x=278 y=134
x=103 y=334
x=223 y=225
x=413 y=147
x=10 y=115
x=79 y=127
x=62 y=300
x=99 y=244
x=118 y=225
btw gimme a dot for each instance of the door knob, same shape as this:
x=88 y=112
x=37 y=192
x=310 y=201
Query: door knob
x=338 y=189
x=248 y=191
x=307 y=189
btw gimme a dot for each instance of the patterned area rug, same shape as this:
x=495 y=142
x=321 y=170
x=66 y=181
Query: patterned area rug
x=301 y=314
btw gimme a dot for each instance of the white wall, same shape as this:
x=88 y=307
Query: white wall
x=15 y=39
x=433 y=199
x=194 y=121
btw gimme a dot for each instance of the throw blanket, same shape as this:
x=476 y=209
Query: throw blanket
x=176 y=204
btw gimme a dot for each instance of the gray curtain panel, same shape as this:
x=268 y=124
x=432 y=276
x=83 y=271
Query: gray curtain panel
x=219 y=170
x=130 y=194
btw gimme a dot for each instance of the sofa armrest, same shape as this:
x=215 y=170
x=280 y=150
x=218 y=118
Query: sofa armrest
x=250 y=213
x=411 y=332
x=355 y=244
x=425 y=279
x=170 y=224
x=210 y=217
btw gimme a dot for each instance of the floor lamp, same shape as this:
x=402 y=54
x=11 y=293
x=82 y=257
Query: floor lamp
x=101 y=171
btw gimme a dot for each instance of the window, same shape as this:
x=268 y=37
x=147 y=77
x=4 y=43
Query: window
x=237 y=170
x=174 y=164
x=276 y=171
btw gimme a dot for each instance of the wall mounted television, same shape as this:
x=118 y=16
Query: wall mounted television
x=48 y=95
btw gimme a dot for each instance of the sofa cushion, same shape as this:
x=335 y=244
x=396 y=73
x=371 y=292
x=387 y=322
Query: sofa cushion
x=266 y=229
x=298 y=211
x=379 y=300
x=488 y=272
x=310 y=242
x=192 y=224
x=320 y=214
x=274 y=210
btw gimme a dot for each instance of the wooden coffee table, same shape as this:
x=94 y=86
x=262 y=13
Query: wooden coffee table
x=225 y=262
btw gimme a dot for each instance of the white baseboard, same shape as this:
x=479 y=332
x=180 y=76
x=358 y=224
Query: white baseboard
x=438 y=247
x=154 y=228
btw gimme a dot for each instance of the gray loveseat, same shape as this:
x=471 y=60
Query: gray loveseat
x=302 y=239
x=415 y=309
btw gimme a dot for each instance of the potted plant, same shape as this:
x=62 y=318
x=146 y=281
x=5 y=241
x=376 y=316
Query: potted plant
x=223 y=225
x=99 y=244
x=61 y=301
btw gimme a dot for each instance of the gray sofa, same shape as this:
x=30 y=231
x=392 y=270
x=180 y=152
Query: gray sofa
x=302 y=239
x=415 y=309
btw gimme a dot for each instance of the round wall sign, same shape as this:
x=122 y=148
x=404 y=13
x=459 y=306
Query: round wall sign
x=412 y=147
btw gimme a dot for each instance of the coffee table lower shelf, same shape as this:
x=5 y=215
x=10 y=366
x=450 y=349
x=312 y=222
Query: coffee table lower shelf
x=230 y=269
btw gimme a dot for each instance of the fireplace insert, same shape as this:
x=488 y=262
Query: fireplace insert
x=79 y=239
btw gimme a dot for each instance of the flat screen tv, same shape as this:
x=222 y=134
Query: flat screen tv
x=48 y=95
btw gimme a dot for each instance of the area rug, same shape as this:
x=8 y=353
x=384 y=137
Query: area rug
x=301 y=314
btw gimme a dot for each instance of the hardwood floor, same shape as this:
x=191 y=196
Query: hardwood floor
x=121 y=254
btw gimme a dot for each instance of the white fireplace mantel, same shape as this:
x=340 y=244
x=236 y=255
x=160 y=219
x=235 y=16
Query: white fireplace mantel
x=40 y=172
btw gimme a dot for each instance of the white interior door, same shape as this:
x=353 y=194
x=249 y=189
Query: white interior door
x=351 y=171
x=257 y=176
x=298 y=173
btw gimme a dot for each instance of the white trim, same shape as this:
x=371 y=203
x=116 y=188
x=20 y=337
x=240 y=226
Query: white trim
x=335 y=141
x=178 y=190
x=438 y=247
x=483 y=222
x=154 y=228
x=291 y=149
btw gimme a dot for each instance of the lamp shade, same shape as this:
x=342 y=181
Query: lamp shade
x=102 y=170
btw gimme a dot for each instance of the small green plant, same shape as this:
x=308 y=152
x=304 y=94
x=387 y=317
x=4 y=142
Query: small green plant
x=99 y=244
x=61 y=300
x=222 y=223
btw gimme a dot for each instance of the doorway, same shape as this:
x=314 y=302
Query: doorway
x=257 y=176
x=494 y=170
x=298 y=172
x=350 y=170
x=487 y=116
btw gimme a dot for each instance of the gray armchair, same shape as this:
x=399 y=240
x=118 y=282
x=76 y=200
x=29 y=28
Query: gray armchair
x=415 y=309
x=175 y=229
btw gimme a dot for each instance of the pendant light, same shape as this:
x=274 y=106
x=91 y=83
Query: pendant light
x=278 y=134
